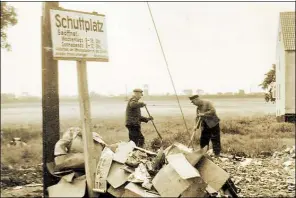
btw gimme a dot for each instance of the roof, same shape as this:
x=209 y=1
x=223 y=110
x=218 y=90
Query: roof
x=287 y=20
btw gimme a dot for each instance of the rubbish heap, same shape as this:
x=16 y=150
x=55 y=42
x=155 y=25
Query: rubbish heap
x=130 y=171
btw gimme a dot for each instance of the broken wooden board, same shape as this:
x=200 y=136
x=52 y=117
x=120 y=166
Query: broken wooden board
x=196 y=189
x=118 y=192
x=102 y=171
x=168 y=182
x=182 y=166
x=117 y=175
x=146 y=151
x=65 y=189
x=133 y=190
x=98 y=138
x=123 y=150
x=211 y=173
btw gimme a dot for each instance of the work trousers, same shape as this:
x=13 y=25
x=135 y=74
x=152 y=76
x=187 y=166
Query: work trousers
x=136 y=135
x=212 y=134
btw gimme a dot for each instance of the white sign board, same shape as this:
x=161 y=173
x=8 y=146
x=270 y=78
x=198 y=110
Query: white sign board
x=78 y=36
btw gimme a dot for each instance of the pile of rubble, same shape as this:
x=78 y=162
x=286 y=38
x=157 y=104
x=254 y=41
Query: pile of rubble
x=130 y=171
x=269 y=176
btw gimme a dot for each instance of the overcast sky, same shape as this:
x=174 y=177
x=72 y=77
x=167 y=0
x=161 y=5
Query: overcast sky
x=217 y=47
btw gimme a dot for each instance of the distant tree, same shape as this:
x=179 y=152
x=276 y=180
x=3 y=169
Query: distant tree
x=8 y=18
x=267 y=84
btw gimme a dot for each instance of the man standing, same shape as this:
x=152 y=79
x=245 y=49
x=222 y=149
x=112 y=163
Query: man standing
x=133 y=118
x=210 y=129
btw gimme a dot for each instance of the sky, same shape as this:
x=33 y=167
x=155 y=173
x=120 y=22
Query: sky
x=217 y=47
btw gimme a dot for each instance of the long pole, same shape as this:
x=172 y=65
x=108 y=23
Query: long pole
x=50 y=96
x=85 y=114
x=167 y=65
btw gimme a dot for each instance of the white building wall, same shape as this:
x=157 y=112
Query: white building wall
x=290 y=82
x=280 y=76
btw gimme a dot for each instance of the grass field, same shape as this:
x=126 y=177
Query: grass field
x=248 y=136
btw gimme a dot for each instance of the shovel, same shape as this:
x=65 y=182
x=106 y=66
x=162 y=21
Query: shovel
x=194 y=132
x=154 y=124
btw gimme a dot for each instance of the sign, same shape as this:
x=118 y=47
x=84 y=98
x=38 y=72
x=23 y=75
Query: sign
x=78 y=35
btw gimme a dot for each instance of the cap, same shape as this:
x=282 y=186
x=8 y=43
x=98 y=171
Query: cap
x=138 y=90
x=193 y=97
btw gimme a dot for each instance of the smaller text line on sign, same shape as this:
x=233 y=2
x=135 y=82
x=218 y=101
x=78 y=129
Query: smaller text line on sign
x=78 y=36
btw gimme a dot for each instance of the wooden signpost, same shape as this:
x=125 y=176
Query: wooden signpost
x=80 y=36
x=50 y=97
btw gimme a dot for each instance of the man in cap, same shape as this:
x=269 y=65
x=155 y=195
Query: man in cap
x=133 y=118
x=210 y=128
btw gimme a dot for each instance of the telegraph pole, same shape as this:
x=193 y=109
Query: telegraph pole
x=50 y=96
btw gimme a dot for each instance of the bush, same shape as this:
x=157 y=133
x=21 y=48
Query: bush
x=22 y=156
x=282 y=127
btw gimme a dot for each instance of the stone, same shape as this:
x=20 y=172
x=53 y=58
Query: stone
x=288 y=163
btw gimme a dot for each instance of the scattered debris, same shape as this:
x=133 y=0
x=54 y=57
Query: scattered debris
x=140 y=175
x=102 y=171
x=16 y=142
x=251 y=177
x=246 y=162
x=123 y=150
x=135 y=172
x=288 y=163
x=17 y=187
x=33 y=185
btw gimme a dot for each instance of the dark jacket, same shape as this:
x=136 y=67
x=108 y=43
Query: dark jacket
x=133 y=113
x=210 y=118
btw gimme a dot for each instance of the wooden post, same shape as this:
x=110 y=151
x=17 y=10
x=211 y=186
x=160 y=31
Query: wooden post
x=50 y=96
x=89 y=159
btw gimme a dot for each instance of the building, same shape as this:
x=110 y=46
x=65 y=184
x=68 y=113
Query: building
x=285 y=68
x=146 y=90
x=200 y=92
x=187 y=92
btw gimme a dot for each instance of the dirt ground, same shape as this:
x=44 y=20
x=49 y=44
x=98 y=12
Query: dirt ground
x=21 y=182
